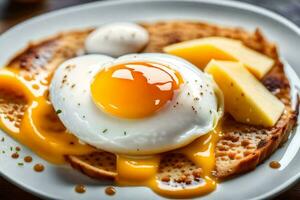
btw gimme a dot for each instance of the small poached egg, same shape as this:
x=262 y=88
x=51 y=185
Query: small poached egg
x=117 y=39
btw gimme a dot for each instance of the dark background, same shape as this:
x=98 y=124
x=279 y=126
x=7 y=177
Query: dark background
x=13 y=12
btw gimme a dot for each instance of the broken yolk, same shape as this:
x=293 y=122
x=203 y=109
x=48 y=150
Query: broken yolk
x=134 y=90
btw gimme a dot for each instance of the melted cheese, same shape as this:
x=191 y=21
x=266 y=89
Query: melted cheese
x=136 y=171
x=40 y=129
x=143 y=172
x=201 y=152
x=42 y=132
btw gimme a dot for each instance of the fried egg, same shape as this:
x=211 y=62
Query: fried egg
x=137 y=104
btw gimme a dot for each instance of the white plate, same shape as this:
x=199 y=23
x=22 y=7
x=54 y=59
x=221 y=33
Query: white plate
x=58 y=182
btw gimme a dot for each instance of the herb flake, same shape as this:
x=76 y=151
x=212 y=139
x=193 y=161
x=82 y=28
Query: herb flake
x=104 y=131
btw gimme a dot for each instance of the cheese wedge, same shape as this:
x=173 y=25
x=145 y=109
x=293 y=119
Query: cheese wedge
x=246 y=99
x=201 y=51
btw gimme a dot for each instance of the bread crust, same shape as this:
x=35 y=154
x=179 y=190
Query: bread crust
x=88 y=169
x=258 y=156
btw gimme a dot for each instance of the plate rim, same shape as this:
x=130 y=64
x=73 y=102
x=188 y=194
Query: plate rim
x=228 y=3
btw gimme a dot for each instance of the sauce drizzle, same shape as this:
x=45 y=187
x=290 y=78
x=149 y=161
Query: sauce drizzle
x=80 y=188
x=274 y=164
x=28 y=159
x=38 y=167
x=110 y=191
x=15 y=155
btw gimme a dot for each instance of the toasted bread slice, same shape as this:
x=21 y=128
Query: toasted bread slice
x=44 y=56
x=240 y=149
x=12 y=106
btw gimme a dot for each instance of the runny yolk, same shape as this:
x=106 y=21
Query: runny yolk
x=134 y=90
x=136 y=171
x=39 y=127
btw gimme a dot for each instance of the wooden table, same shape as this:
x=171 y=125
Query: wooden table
x=12 y=13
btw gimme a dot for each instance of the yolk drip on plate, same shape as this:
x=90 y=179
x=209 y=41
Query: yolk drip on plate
x=39 y=128
x=32 y=121
x=143 y=172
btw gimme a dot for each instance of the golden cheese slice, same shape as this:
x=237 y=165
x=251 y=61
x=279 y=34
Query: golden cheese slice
x=246 y=99
x=201 y=51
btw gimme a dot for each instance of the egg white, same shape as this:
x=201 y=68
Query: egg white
x=193 y=111
x=116 y=39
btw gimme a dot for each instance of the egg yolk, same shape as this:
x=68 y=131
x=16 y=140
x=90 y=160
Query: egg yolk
x=134 y=90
